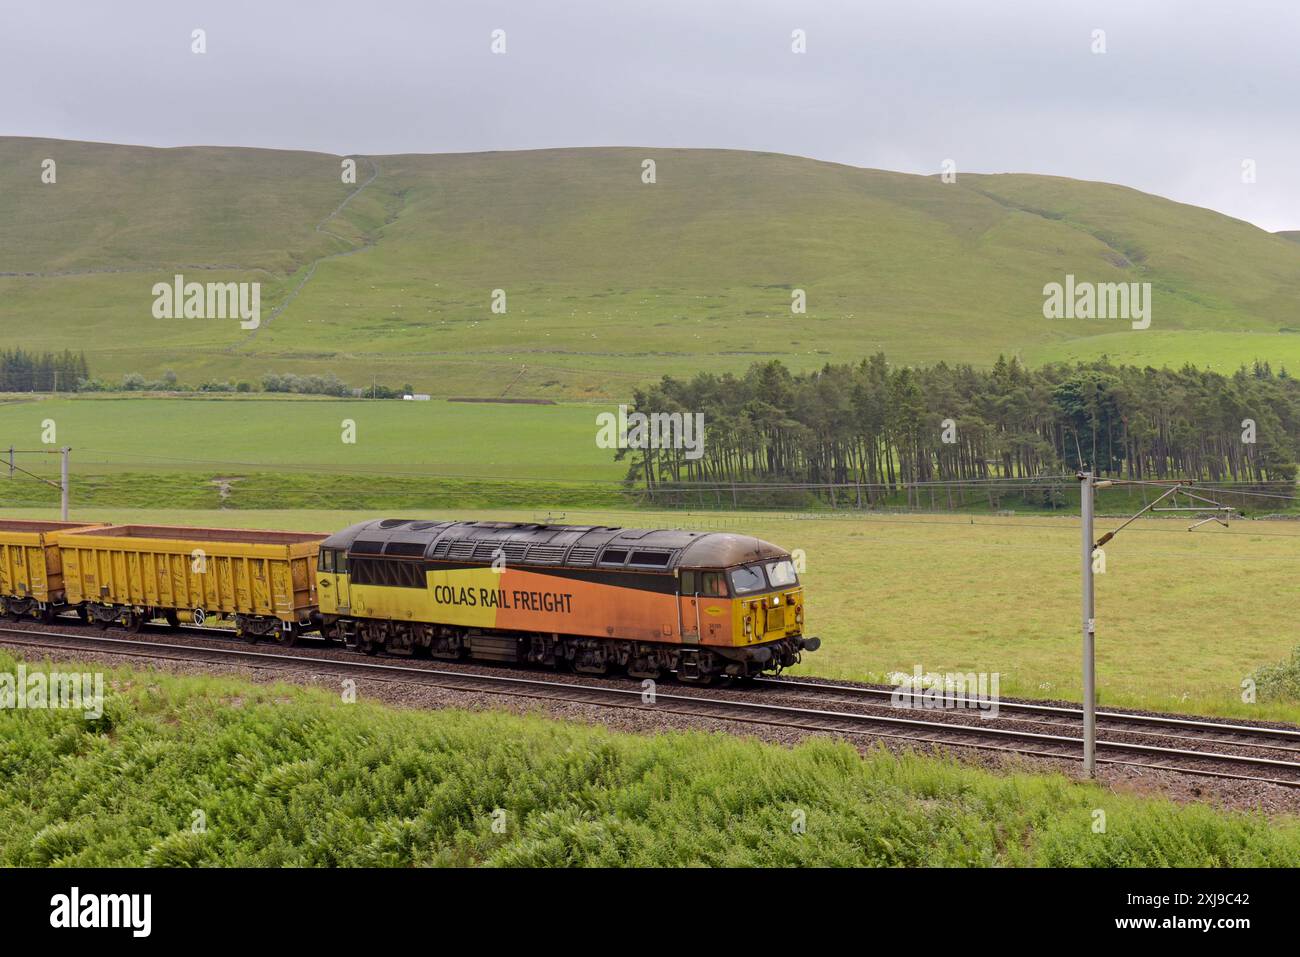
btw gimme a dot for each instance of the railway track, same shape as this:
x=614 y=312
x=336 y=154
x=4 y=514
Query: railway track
x=917 y=727
x=1198 y=730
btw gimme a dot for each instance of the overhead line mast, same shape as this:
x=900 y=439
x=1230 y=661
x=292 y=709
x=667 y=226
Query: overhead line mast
x=1088 y=485
x=62 y=485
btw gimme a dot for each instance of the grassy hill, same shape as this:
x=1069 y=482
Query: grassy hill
x=609 y=281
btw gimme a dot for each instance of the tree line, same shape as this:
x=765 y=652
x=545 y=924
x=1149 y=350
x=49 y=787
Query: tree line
x=870 y=433
x=22 y=371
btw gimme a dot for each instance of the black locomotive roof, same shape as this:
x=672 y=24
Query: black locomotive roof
x=531 y=543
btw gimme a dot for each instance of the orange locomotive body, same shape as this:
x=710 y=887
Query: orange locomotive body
x=596 y=598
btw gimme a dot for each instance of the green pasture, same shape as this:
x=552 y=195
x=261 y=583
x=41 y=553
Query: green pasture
x=304 y=437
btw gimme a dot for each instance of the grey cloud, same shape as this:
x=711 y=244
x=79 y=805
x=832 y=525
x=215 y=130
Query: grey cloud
x=1186 y=91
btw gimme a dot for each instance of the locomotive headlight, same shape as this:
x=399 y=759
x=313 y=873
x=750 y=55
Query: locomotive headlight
x=776 y=600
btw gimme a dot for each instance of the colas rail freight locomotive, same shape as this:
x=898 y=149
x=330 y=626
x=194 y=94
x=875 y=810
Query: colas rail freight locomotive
x=596 y=599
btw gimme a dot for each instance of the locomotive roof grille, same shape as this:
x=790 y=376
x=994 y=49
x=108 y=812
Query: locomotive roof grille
x=461 y=550
x=545 y=554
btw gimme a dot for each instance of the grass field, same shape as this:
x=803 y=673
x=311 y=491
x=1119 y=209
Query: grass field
x=609 y=281
x=305 y=435
x=1182 y=618
x=263 y=452
x=291 y=776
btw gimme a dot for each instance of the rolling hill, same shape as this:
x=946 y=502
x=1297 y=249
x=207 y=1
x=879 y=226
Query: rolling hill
x=609 y=281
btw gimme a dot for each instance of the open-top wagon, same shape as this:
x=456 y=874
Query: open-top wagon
x=264 y=582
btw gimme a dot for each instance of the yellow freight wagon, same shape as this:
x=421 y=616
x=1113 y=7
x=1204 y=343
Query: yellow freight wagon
x=262 y=581
x=31 y=573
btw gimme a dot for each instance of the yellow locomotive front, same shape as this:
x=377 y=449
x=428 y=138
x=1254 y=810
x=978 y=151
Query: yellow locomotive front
x=742 y=602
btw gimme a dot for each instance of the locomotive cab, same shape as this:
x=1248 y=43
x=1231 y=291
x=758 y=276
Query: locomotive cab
x=752 y=612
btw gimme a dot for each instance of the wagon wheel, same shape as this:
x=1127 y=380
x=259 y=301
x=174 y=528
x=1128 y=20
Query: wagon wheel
x=173 y=620
x=133 y=622
x=83 y=614
x=287 y=638
x=366 y=644
x=102 y=624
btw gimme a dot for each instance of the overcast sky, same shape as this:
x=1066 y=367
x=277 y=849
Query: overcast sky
x=1185 y=92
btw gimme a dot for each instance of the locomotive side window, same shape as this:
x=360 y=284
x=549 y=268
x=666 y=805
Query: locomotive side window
x=782 y=573
x=688 y=583
x=394 y=574
x=650 y=559
x=326 y=563
x=341 y=562
x=361 y=575
x=748 y=579
x=715 y=585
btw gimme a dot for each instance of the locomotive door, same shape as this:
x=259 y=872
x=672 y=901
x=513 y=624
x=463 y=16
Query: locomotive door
x=333 y=572
x=688 y=607
x=342 y=580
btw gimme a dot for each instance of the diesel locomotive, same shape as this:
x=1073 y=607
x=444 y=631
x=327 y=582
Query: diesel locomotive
x=597 y=599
